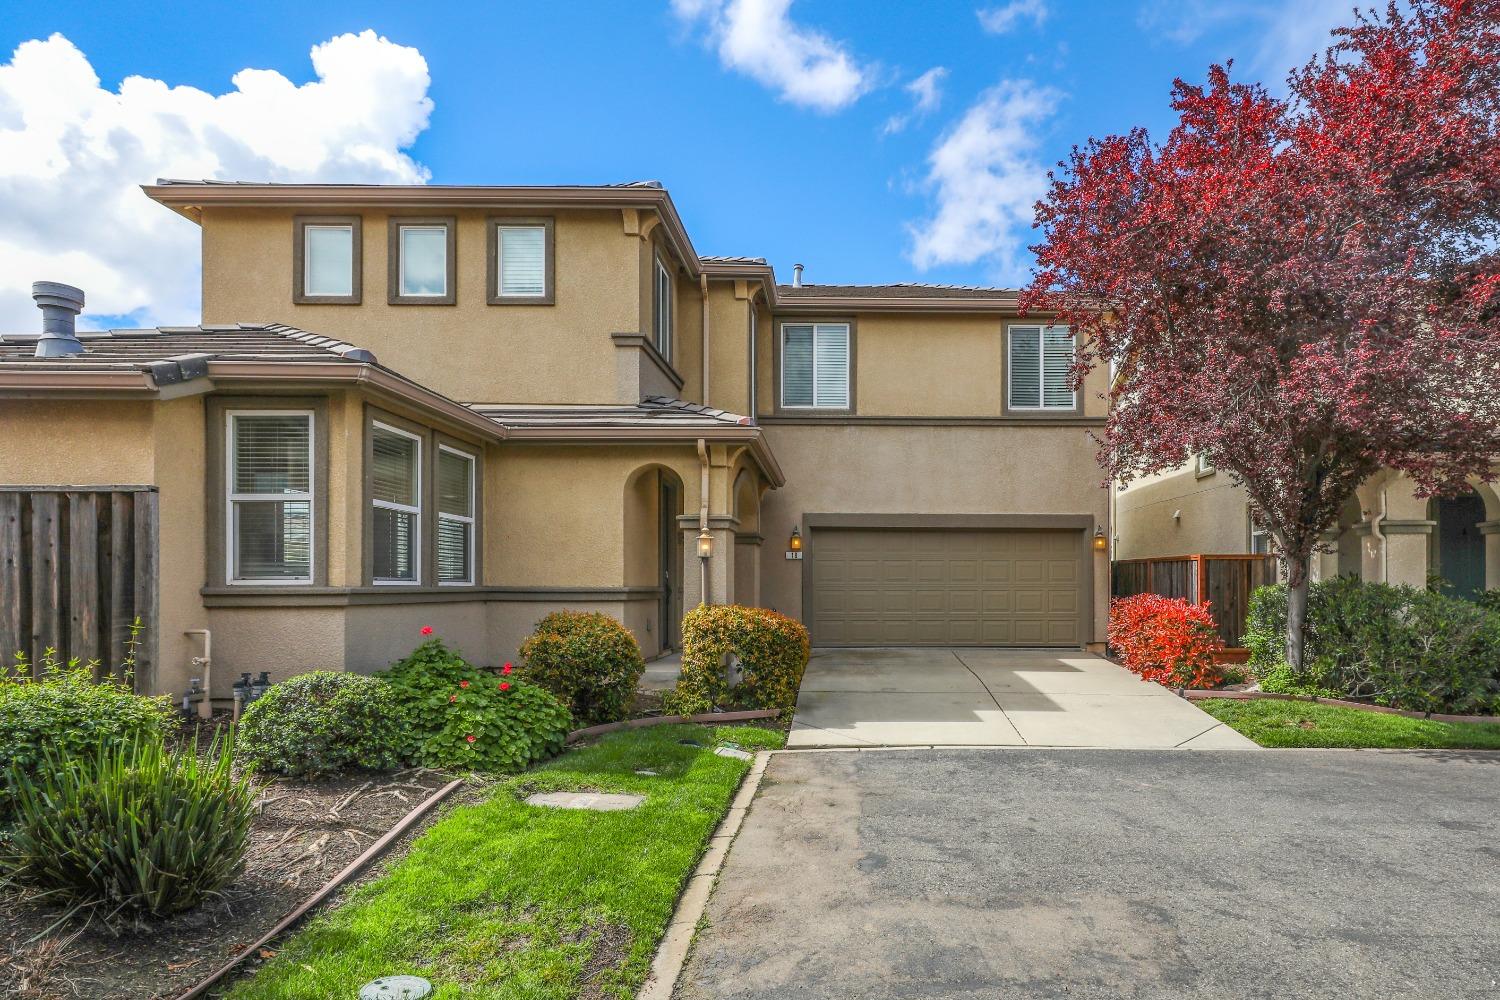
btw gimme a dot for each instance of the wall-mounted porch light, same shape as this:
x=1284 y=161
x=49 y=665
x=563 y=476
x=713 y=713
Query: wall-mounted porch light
x=705 y=544
x=1100 y=542
x=795 y=543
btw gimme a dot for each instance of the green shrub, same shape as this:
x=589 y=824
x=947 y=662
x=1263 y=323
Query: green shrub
x=772 y=651
x=62 y=707
x=321 y=723
x=587 y=659
x=130 y=827
x=454 y=715
x=1394 y=645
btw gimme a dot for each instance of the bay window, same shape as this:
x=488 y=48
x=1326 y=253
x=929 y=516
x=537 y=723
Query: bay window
x=270 y=496
x=396 y=499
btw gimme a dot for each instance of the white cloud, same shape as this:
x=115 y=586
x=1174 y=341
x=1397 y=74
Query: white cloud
x=927 y=96
x=758 y=38
x=1002 y=19
x=985 y=177
x=1269 y=39
x=72 y=154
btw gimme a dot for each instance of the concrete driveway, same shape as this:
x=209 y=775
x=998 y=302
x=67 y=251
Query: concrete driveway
x=992 y=697
x=1090 y=874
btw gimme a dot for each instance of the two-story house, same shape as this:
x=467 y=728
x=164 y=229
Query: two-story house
x=466 y=406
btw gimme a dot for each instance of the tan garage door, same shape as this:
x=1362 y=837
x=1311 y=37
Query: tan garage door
x=930 y=587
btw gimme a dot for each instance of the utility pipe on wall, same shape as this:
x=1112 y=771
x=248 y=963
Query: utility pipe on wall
x=206 y=661
x=703 y=513
x=703 y=283
x=1379 y=536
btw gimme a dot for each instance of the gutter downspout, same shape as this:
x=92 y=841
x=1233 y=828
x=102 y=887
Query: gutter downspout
x=703 y=284
x=703 y=507
x=1379 y=536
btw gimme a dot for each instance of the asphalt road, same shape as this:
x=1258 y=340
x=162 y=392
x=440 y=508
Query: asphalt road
x=1082 y=874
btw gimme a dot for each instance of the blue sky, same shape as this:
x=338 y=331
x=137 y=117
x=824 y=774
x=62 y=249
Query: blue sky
x=799 y=132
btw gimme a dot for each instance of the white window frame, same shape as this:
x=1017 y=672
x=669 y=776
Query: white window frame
x=307 y=259
x=416 y=559
x=1201 y=468
x=1257 y=532
x=1040 y=328
x=664 y=299
x=232 y=498
x=848 y=366
x=473 y=461
x=401 y=229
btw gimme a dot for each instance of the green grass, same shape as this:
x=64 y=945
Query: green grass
x=506 y=900
x=1307 y=724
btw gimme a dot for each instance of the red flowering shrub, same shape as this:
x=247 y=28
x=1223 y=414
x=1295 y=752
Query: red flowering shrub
x=1166 y=639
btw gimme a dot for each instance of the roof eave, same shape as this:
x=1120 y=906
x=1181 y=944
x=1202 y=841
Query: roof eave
x=749 y=435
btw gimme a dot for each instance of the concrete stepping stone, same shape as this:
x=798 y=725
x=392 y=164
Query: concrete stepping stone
x=734 y=752
x=597 y=801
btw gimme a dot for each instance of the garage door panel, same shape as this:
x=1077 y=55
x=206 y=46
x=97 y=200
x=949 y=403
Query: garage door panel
x=940 y=587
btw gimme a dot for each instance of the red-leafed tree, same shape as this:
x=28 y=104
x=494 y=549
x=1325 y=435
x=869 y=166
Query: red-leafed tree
x=1303 y=289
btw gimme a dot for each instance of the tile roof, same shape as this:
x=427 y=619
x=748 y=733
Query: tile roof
x=912 y=290
x=140 y=350
x=165 y=181
x=653 y=411
x=714 y=259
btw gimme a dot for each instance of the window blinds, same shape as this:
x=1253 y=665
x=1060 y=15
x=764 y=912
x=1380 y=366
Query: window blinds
x=815 y=364
x=523 y=261
x=1041 y=363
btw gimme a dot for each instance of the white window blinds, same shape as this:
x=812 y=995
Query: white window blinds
x=396 y=517
x=815 y=365
x=522 y=253
x=661 y=303
x=1041 y=363
x=270 y=497
x=455 y=526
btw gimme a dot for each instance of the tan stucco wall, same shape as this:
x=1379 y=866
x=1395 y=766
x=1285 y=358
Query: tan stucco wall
x=1214 y=516
x=76 y=442
x=729 y=347
x=471 y=351
x=935 y=365
x=179 y=452
x=864 y=469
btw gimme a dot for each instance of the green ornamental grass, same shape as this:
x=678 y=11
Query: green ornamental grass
x=1274 y=723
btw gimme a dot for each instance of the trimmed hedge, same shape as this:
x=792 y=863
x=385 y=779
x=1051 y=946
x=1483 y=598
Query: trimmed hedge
x=1396 y=646
x=455 y=715
x=321 y=723
x=772 y=650
x=589 y=660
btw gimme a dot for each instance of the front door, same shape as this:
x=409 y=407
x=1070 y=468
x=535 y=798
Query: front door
x=666 y=556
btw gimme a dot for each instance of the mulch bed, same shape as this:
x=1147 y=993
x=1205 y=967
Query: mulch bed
x=305 y=834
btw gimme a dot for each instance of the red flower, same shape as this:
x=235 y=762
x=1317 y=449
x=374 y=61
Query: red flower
x=453 y=697
x=463 y=684
x=426 y=629
x=506 y=669
x=505 y=685
x=470 y=737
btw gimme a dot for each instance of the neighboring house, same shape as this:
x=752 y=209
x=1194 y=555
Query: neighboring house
x=517 y=399
x=1386 y=532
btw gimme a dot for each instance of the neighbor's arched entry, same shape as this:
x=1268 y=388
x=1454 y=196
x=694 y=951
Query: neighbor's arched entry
x=1457 y=547
x=653 y=548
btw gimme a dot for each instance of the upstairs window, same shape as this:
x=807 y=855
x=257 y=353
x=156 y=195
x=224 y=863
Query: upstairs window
x=663 y=292
x=270 y=496
x=326 y=253
x=455 y=516
x=520 y=261
x=396 y=496
x=422 y=257
x=815 y=365
x=1041 y=362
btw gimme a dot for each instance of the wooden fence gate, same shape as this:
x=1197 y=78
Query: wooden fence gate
x=78 y=566
x=1225 y=581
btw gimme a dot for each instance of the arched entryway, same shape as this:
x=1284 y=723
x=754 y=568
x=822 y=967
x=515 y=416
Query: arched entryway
x=1457 y=548
x=654 y=499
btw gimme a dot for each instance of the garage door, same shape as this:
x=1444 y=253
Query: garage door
x=929 y=587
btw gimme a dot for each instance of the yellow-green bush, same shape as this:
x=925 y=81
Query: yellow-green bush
x=772 y=651
x=589 y=660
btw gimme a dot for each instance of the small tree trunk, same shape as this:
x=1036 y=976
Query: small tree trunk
x=1296 y=612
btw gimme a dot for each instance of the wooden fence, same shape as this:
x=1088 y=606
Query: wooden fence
x=78 y=566
x=1225 y=581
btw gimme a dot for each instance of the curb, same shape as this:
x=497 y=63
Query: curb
x=672 y=952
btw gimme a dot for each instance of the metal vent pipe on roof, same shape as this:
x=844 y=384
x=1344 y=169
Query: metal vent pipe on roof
x=60 y=305
x=796 y=275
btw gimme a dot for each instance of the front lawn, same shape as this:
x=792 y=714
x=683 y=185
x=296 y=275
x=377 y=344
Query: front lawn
x=1307 y=724
x=506 y=900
